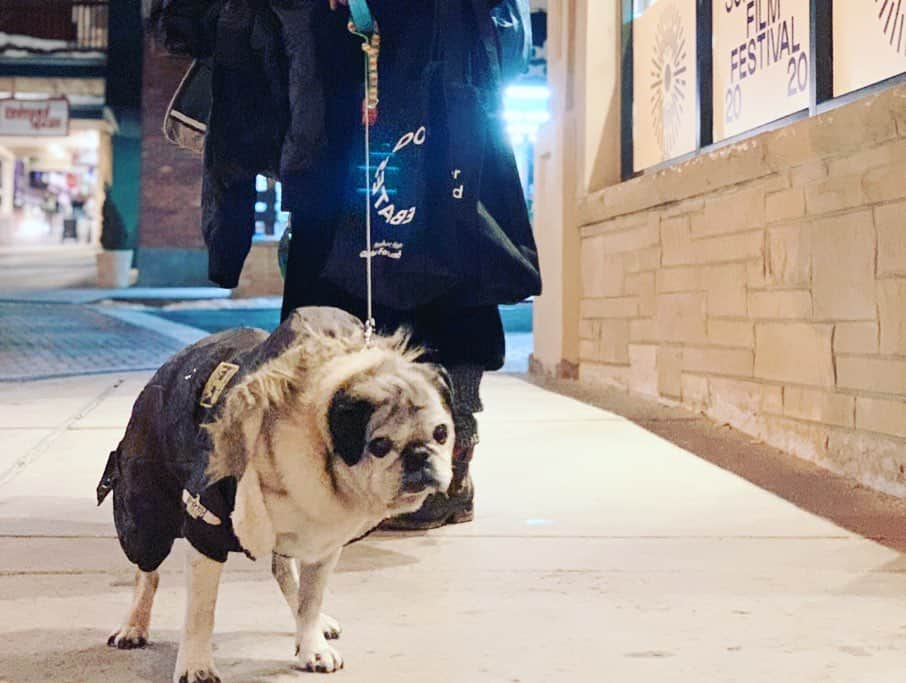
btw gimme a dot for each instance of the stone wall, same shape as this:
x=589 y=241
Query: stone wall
x=765 y=285
x=261 y=272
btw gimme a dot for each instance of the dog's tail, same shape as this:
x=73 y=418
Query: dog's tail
x=110 y=476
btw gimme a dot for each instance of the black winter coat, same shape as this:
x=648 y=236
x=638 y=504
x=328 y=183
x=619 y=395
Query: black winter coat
x=267 y=105
x=286 y=91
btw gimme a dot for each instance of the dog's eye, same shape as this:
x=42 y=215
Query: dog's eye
x=380 y=447
x=440 y=434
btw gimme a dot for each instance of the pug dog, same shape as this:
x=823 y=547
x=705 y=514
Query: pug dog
x=288 y=447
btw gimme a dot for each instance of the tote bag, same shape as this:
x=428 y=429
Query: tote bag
x=429 y=148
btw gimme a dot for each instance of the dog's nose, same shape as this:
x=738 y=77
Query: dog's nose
x=415 y=458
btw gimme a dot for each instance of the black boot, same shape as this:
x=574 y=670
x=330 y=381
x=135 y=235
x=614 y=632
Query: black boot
x=456 y=506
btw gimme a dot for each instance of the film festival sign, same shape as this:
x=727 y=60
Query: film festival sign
x=664 y=82
x=761 y=62
x=44 y=118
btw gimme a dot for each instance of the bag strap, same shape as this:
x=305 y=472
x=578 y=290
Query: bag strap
x=361 y=15
x=489 y=41
x=451 y=41
x=454 y=38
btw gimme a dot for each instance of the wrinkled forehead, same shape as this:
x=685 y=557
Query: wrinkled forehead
x=405 y=392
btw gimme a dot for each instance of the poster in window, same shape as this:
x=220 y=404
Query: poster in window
x=665 y=83
x=762 y=50
x=869 y=42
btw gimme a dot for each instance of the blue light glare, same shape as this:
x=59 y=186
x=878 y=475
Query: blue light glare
x=528 y=93
x=526 y=107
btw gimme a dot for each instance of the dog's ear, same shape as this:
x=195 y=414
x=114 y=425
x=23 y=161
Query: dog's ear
x=443 y=382
x=348 y=420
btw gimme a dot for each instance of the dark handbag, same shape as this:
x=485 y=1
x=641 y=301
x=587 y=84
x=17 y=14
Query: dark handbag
x=430 y=147
x=186 y=120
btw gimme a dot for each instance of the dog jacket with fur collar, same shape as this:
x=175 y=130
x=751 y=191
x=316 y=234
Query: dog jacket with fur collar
x=158 y=473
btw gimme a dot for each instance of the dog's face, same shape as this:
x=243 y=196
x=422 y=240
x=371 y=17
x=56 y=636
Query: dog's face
x=392 y=433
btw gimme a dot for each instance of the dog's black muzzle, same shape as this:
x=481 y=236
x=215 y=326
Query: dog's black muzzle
x=419 y=474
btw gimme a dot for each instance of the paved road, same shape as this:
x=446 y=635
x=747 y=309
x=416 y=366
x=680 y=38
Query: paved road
x=601 y=553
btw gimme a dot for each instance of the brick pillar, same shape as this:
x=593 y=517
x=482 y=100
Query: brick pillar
x=171 y=248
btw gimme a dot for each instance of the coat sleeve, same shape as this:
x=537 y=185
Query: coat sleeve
x=228 y=225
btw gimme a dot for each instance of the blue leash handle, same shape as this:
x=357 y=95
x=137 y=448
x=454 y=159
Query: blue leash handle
x=361 y=16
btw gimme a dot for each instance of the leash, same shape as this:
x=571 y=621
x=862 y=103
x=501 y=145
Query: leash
x=363 y=25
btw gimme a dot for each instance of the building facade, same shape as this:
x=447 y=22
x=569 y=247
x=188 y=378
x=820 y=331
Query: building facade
x=56 y=139
x=720 y=205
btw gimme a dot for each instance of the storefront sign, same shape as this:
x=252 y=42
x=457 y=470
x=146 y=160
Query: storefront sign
x=761 y=62
x=664 y=81
x=869 y=42
x=34 y=117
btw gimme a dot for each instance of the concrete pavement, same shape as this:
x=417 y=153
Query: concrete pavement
x=601 y=552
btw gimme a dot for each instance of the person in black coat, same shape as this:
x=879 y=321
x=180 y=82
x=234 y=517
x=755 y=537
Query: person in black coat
x=287 y=102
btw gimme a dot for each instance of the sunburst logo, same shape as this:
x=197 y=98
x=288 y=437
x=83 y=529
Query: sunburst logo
x=892 y=17
x=669 y=83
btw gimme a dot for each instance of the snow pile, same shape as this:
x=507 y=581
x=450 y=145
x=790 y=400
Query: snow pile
x=12 y=45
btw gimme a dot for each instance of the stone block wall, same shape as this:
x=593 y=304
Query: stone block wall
x=765 y=285
x=261 y=272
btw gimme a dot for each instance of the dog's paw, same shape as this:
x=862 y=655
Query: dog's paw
x=129 y=638
x=330 y=627
x=204 y=674
x=322 y=659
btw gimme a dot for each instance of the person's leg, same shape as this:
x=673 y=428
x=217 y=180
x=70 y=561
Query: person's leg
x=466 y=403
x=457 y=505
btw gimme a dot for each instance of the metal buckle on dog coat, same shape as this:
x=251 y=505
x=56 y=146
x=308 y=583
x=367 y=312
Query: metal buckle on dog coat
x=217 y=383
x=196 y=510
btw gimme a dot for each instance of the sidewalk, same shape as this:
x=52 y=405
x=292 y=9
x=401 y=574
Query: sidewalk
x=601 y=553
x=69 y=332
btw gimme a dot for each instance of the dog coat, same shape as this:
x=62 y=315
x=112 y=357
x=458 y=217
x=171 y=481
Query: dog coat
x=158 y=472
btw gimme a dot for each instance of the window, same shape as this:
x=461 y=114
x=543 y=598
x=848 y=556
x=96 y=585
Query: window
x=869 y=42
x=761 y=62
x=664 y=80
x=699 y=72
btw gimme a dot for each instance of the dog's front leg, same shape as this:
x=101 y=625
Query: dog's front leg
x=312 y=648
x=195 y=663
x=286 y=571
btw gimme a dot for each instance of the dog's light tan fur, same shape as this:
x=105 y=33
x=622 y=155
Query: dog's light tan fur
x=274 y=388
x=299 y=494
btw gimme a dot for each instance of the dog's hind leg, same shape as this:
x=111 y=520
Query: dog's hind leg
x=134 y=631
x=195 y=662
x=286 y=571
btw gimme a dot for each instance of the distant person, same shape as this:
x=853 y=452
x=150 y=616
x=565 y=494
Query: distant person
x=50 y=205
